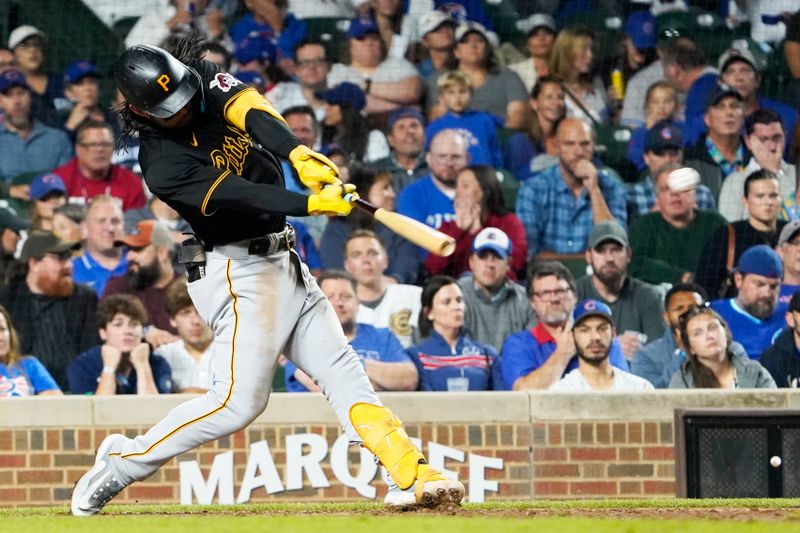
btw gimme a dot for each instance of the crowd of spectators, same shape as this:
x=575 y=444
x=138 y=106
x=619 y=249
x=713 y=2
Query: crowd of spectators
x=673 y=264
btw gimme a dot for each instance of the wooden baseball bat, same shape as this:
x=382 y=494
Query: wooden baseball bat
x=420 y=234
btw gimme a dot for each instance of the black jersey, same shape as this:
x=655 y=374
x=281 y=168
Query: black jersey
x=225 y=181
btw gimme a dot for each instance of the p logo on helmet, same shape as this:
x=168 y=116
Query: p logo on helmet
x=163 y=80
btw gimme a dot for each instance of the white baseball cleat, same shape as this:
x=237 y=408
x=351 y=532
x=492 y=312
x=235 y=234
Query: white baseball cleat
x=436 y=491
x=99 y=485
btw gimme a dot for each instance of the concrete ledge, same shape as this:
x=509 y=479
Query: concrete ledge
x=657 y=405
x=47 y=411
x=412 y=408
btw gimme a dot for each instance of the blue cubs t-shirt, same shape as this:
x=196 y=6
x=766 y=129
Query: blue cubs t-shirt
x=26 y=377
x=752 y=333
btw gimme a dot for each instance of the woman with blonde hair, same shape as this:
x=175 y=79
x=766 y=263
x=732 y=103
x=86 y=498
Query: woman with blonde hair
x=710 y=363
x=572 y=60
x=20 y=376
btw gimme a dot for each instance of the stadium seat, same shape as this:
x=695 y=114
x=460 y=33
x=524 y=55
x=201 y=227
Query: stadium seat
x=611 y=145
x=510 y=186
x=575 y=263
x=330 y=30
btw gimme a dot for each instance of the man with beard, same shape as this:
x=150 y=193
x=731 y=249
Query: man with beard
x=496 y=306
x=538 y=357
x=559 y=204
x=593 y=332
x=430 y=199
x=150 y=274
x=754 y=316
x=101 y=259
x=189 y=357
x=26 y=145
x=55 y=318
x=635 y=305
x=405 y=132
x=387 y=364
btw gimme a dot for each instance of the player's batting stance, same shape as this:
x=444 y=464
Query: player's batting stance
x=209 y=148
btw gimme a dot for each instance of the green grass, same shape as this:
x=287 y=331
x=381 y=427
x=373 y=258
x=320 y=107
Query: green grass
x=594 y=516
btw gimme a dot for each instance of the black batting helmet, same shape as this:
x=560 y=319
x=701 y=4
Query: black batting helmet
x=153 y=80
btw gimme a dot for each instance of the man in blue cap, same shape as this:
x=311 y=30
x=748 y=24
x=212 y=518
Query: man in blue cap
x=754 y=316
x=593 y=333
x=719 y=150
x=405 y=132
x=81 y=95
x=26 y=145
x=662 y=144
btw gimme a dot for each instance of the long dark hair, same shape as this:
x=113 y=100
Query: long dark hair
x=702 y=376
x=490 y=62
x=433 y=286
x=351 y=134
x=188 y=48
x=493 y=202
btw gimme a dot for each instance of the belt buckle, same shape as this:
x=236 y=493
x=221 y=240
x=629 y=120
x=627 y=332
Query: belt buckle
x=286 y=238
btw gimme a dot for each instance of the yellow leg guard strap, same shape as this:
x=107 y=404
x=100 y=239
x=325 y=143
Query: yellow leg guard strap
x=383 y=435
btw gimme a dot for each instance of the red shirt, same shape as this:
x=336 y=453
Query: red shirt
x=458 y=262
x=120 y=183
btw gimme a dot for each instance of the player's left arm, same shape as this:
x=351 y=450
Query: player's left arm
x=250 y=112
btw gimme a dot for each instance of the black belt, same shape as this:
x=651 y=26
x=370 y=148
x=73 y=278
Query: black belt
x=273 y=243
x=270 y=244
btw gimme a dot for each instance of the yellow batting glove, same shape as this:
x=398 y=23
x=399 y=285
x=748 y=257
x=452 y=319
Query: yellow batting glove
x=315 y=170
x=330 y=200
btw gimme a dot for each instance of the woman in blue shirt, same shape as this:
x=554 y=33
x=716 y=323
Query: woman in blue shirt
x=447 y=359
x=20 y=376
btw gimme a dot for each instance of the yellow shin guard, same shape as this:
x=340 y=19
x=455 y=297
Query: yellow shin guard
x=383 y=435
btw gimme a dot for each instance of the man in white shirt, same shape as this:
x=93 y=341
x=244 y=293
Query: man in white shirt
x=189 y=356
x=384 y=302
x=593 y=331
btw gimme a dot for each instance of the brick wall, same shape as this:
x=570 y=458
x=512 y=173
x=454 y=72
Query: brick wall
x=552 y=445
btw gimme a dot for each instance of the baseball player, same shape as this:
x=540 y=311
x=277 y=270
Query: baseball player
x=209 y=149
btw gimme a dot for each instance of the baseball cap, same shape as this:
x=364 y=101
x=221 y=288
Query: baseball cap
x=345 y=94
x=44 y=184
x=587 y=308
x=9 y=220
x=40 y=243
x=403 y=112
x=470 y=27
x=610 y=230
x=532 y=23
x=252 y=78
x=147 y=232
x=641 y=28
x=255 y=47
x=431 y=21
x=762 y=261
x=723 y=90
x=23 y=32
x=12 y=78
x=736 y=54
x=661 y=135
x=789 y=231
x=492 y=239
x=361 y=26
x=77 y=70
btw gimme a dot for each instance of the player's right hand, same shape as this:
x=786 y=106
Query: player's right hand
x=330 y=200
x=314 y=169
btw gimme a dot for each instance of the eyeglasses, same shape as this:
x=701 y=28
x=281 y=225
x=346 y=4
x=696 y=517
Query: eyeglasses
x=104 y=145
x=319 y=62
x=551 y=294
